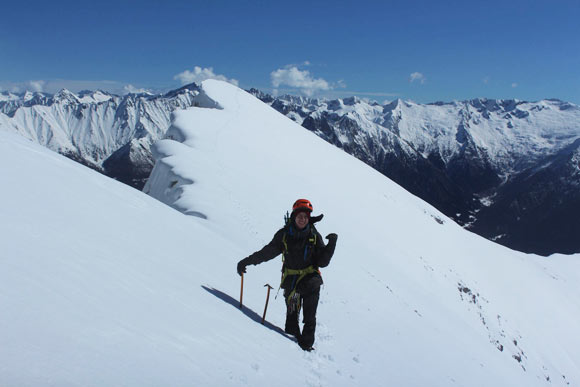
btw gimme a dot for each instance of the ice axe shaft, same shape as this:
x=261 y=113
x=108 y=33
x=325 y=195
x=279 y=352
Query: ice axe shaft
x=242 y=291
x=267 y=299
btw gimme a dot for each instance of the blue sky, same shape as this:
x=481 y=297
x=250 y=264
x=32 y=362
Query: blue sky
x=425 y=51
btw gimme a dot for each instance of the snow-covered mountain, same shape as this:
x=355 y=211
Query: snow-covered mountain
x=107 y=132
x=137 y=294
x=488 y=164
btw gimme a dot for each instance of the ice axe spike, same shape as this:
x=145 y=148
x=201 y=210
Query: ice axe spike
x=267 y=298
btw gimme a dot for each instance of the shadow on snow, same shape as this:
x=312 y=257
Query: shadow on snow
x=245 y=310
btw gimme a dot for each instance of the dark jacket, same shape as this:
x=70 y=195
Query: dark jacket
x=301 y=253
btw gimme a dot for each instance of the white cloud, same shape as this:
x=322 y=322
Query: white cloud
x=514 y=85
x=37 y=86
x=130 y=89
x=19 y=87
x=201 y=74
x=302 y=80
x=416 y=76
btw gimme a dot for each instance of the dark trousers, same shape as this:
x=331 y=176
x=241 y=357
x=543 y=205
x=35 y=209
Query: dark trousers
x=309 y=303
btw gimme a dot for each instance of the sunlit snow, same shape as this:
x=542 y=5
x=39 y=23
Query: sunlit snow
x=103 y=285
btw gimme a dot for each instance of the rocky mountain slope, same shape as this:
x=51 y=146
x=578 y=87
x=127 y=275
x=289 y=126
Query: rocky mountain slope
x=112 y=134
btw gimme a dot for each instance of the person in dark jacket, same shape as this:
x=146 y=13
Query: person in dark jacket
x=304 y=252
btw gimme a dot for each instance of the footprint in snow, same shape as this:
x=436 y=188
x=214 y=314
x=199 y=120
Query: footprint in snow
x=323 y=333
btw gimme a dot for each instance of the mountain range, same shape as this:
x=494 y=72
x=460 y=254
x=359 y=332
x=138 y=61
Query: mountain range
x=505 y=169
x=110 y=133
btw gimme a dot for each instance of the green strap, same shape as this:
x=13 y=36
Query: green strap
x=285 y=252
x=299 y=272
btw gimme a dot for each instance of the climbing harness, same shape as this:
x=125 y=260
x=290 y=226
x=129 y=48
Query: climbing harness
x=300 y=273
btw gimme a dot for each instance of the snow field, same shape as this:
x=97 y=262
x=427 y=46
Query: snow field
x=103 y=285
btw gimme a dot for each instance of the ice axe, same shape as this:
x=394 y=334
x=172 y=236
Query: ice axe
x=267 y=298
x=242 y=291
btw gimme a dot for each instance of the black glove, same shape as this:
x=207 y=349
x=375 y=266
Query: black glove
x=332 y=237
x=242 y=266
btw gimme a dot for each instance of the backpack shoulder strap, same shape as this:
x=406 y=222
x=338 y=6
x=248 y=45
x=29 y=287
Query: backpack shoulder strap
x=313 y=236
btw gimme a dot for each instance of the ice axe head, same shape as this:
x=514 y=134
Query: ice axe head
x=266 y=306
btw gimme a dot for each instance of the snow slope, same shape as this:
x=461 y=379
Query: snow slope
x=421 y=298
x=102 y=285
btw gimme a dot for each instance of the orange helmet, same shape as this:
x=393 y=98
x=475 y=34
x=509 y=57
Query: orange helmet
x=302 y=205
